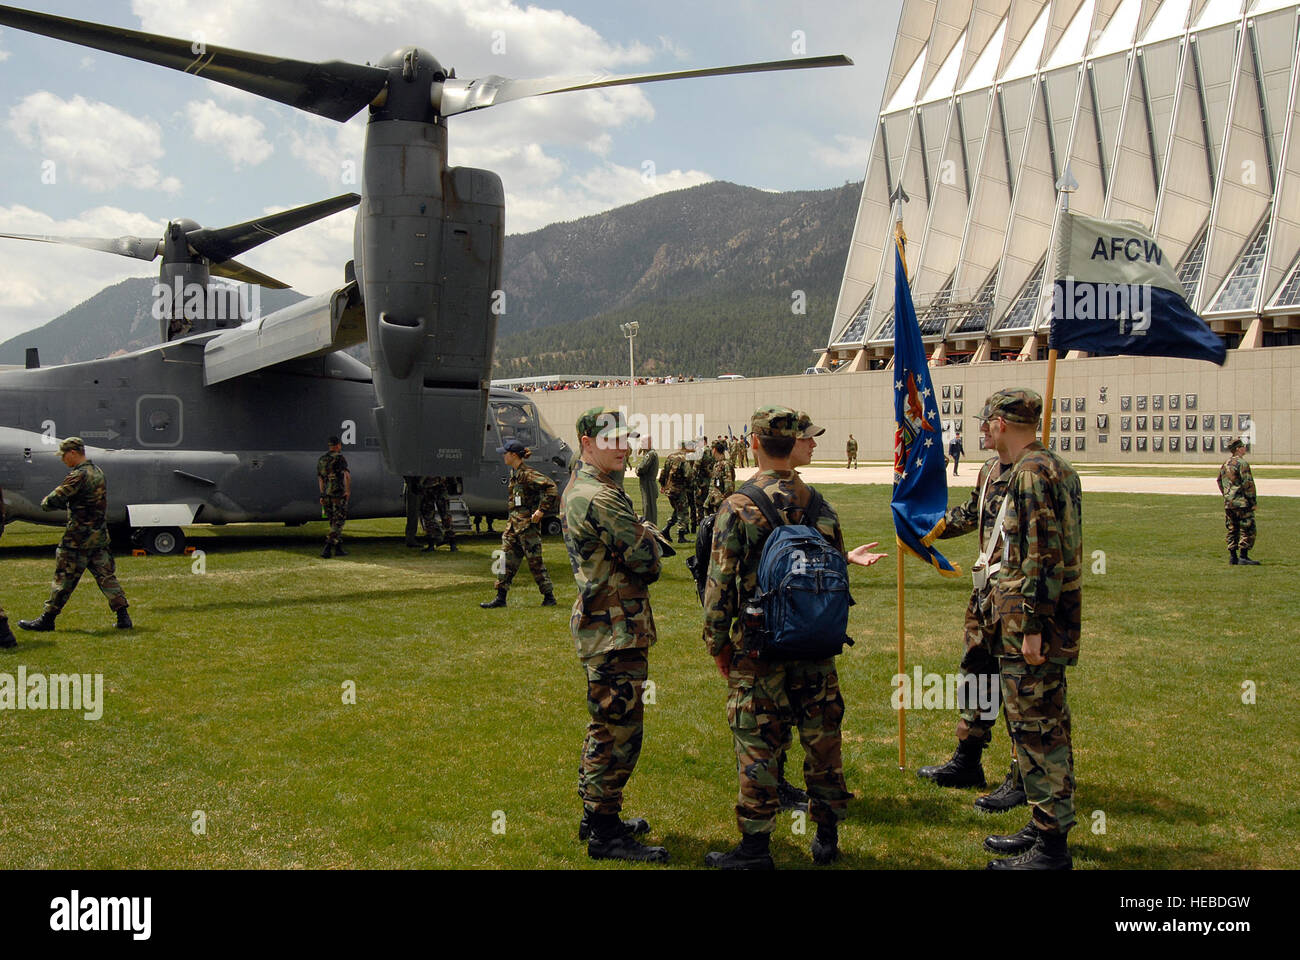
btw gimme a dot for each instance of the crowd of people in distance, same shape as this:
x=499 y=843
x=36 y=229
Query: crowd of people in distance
x=594 y=384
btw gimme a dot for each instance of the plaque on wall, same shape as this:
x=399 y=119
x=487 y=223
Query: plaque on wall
x=947 y=407
x=1053 y=427
x=956 y=391
x=1225 y=421
x=1125 y=424
x=1223 y=444
x=1103 y=421
x=947 y=391
x=1158 y=444
x=956 y=407
x=1207 y=423
x=1243 y=421
x=1173 y=444
x=1102 y=437
x=1051 y=444
x=1157 y=401
x=982 y=439
x=1053 y=404
x=1191 y=401
x=1065 y=443
x=1157 y=423
x=1175 y=422
x=1174 y=400
x=1125 y=403
x=1142 y=403
x=1126 y=443
x=1065 y=404
x=1078 y=404
x=1190 y=447
x=1080 y=424
x=1142 y=443
x=1078 y=444
x=1101 y=394
x=1207 y=444
x=1142 y=423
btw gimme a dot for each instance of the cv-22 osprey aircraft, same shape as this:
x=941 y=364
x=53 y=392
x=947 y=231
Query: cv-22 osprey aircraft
x=422 y=286
x=179 y=450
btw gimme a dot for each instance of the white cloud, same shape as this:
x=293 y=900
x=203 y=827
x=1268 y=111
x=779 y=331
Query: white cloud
x=40 y=281
x=238 y=136
x=309 y=259
x=92 y=144
x=595 y=191
x=850 y=153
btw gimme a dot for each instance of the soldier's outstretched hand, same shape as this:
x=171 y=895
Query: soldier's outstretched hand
x=863 y=556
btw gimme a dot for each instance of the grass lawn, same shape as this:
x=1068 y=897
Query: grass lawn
x=227 y=698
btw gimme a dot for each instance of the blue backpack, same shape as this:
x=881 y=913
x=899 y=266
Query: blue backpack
x=803 y=588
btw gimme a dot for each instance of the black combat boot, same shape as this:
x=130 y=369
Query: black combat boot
x=826 y=844
x=1232 y=558
x=429 y=546
x=612 y=840
x=1017 y=842
x=7 y=638
x=42 y=624
x=1008 y=796
x=1246 y=561
x=636 y=826
x=451 y=546
x=339 y=551
x=500 y=601
x=548 y=599
x=1048 y=853
x=963 y=770
x=124 y=620
x=791 y=797
x=328 y=551
x=752 y=854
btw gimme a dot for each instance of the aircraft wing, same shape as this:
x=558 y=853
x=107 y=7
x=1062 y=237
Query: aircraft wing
x=323 y=324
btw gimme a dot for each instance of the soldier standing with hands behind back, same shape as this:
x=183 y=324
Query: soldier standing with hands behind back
x=1038 y=599
x=335 y=483
x=615 y=558
x=1237 y=484
x=85 y=542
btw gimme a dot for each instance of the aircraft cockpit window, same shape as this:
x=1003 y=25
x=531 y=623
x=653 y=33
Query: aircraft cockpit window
x=516 y=421
x=546 y=429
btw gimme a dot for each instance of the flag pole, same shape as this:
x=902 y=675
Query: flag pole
x=1065 y=186
x=900 y=238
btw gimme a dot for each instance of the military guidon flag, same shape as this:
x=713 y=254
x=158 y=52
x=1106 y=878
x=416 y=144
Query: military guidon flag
x=920 y=499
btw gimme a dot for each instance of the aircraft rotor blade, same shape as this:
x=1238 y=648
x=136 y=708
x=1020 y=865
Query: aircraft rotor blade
x=334 y=89
x=134 y=247
x=455 y=96
x=235 y=270
x=225 y=242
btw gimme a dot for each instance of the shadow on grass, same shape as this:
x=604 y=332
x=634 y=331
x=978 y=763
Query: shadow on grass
x=1148 y=805
x=477 y=591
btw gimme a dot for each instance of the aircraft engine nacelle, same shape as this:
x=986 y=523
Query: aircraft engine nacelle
x=428 y=259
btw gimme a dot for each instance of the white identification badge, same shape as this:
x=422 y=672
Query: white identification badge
x=519 y=501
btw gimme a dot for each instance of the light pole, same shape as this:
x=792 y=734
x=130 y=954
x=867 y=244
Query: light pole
x=629 y=330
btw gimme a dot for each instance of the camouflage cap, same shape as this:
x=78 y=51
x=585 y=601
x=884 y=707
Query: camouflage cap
x=1014 y=405
x=1236 y=442
x=775 y=421
x=72 y=443
x=604 y=422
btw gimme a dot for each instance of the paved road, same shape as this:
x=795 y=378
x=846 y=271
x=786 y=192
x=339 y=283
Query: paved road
x=1092 y=483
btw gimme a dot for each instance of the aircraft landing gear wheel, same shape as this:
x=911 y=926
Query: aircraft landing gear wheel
x=163 y=541
x=551 y=527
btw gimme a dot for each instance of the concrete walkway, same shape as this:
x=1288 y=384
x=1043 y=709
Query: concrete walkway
x=1170 y=484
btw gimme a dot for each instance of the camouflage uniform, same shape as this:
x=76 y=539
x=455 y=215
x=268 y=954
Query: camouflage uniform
x=674 y=478
x=701 y=478
x=645 y=472
x=85 y=543
x=614 y=559
x=851 y=452
x=721 y=485
x=4 y=617
x=1237 y=485
x=330 y=470
x=983 y=634
x=1038 y=590
x=766 y=697
x=435 y=509
x=528 y=492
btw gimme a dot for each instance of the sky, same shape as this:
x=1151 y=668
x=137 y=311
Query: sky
x=98 y=145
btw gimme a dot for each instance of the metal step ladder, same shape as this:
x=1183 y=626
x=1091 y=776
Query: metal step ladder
x=461 y=521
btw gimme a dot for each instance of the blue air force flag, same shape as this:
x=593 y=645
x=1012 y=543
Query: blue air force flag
x=920 y=499
x=1116 y=292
